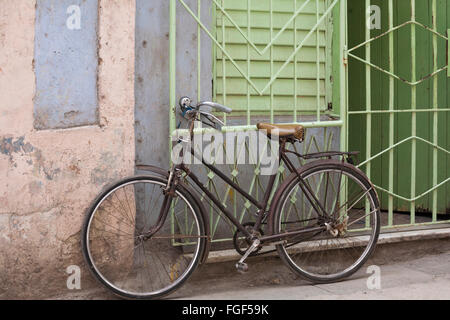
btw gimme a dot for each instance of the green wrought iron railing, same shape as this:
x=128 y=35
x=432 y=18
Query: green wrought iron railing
x=419 y=84
x=258 y=44
x=259 y=71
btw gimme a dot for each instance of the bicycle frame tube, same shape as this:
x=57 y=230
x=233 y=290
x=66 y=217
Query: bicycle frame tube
x=262 y=206
x=315 y=203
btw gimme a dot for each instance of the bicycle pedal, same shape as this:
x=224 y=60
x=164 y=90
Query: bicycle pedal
x=242 y=267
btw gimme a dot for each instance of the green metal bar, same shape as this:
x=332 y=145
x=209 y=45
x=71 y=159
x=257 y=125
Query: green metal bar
x=214 y=52
x=271 y=63
x=362 y=44
x=398 y=111
x=411 y=83
x=295 y=66
x=248 y=59
x=414 y=114
x=199 y=50
x=343 y=84
x=172 y=66
x=224 y=68
x=448 y=48
x=317 y=64
x=172 y=84
x=323 y=124
x=401 y=142
x=391 y=116
x=328 y=60
x=368 y=106
x=415 y=198
x=343 y=79
x=435 y=114
x=424 y=224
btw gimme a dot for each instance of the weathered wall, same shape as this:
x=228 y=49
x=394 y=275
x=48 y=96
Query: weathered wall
x=152 y=72
x=49 y=177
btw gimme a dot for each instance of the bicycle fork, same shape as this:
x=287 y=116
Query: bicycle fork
x=169 y=194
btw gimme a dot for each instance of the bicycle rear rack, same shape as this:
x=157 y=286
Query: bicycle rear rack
x=350 y=157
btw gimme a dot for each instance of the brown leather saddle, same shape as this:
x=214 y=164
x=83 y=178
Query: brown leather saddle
x=287 y=131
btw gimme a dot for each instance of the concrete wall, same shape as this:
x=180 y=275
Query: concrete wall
x=152 y=72
x=49 y=177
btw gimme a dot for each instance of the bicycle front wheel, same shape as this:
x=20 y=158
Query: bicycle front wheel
x=351 y=212
x=119 y=255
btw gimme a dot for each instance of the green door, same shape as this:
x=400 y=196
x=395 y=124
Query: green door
x=398 y=102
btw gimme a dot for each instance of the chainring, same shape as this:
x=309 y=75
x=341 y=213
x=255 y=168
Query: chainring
x=241 y=244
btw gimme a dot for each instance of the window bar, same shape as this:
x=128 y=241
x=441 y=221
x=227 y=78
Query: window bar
x=295 y=65
x=328 y=65
x=172 y=81
x=248 y=59
x=391 y=115
x=414 y=114
x=435 y=114
x=214 y=51
x=368 y=105
x=224 y=68
x=199 y=56
x=199 y=50
x=317 y=62
x=271 y=62
x=343 y=86
x=172 y=67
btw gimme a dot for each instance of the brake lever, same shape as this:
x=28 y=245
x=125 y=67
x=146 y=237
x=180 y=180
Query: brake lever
x=208 y=115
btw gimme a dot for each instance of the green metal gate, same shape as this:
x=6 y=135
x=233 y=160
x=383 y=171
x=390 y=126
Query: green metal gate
x=272 y=61
x=398 y=105
x=314 y=62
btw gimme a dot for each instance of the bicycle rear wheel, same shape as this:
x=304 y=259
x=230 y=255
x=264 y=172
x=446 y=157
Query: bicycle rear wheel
x=117 y=252
x=352 y=213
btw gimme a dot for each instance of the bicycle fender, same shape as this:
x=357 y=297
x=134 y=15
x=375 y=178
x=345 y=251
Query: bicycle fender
x=153 y=169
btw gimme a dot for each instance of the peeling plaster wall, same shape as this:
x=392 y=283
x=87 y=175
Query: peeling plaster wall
x=48 y=178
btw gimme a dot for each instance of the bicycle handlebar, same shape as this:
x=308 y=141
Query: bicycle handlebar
x=215 y=105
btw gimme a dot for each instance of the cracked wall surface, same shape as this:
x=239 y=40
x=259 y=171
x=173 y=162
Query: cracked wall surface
x=49 y=177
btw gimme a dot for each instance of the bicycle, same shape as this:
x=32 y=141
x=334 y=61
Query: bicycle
x=144 y=236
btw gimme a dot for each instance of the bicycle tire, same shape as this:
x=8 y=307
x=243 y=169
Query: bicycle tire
x=286 y=189
x=199 y=251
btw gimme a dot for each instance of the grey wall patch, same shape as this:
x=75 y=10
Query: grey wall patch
x=66 y=63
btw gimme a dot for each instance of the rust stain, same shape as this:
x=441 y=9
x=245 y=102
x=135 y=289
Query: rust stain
x=75 y=168
x=71 y=115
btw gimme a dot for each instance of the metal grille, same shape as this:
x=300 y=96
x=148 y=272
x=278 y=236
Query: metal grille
x=277 y=69
x=410 y=69
x=260 y=36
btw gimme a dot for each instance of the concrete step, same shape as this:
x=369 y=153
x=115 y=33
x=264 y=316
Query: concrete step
x=385 y=238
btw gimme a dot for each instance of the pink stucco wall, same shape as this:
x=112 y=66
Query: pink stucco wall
x=48 y=178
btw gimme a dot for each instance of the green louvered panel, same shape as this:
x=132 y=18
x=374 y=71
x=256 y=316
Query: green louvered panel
x=302 y=84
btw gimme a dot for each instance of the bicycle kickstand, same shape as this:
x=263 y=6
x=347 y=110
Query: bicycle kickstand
x=241 y=266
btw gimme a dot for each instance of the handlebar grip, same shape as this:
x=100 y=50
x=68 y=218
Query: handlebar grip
x=216 y=106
